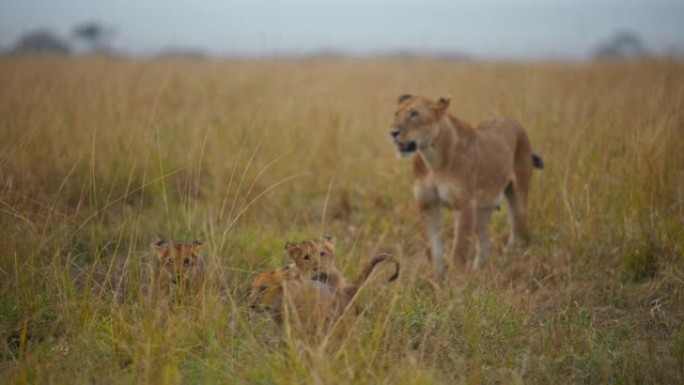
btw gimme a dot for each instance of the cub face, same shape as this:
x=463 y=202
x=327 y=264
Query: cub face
x=179 y=262
x=266 y=291
x=312 y=257
x=415 y=123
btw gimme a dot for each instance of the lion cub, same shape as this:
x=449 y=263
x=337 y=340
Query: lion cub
x=179 y=265
x=315 y=260
x=314 y=302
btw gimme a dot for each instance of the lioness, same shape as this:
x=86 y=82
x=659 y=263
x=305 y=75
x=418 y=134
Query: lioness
x=466 y=169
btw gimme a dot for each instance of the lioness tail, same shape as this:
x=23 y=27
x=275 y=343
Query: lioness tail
x=537 y=161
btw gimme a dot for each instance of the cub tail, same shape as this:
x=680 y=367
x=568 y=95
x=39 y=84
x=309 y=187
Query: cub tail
x=352 y=289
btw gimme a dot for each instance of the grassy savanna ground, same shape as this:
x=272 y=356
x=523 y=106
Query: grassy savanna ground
x=98 y=157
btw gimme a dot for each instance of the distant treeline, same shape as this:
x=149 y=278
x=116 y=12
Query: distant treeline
x=94 y=37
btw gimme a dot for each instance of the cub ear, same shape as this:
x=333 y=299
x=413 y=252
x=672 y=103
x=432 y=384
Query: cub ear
x=160 y=246
x=197 y=245
x=293 y=273
x=404 y=98
x=329 y=242
x=291 y=248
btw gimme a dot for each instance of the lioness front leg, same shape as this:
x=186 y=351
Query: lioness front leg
x=484 y=216
x=432 y=218
x=464 y=232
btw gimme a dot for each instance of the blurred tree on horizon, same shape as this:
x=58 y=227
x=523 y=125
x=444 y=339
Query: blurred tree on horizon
x=623 y=45
x=96 y=35
x=41 y=41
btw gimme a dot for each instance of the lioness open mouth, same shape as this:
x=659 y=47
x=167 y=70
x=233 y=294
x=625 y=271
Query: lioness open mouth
x=407 y=148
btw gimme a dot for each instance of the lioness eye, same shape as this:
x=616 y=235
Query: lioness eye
x=413 y=113
x=322 y=253
x=262 y=288
x=186 y=261
x=307 y=257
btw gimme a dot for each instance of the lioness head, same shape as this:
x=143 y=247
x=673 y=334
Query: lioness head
x=416 y=122
x=179 y=262
x=267 y=287
x=312 y=256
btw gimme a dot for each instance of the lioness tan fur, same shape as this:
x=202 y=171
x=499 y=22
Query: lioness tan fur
x=466 y=169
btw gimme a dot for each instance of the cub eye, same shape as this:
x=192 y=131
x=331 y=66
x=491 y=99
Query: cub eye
x=307 y=257
x=262 y=288
x=413 y=113
x=322 y=253
x=186 y=261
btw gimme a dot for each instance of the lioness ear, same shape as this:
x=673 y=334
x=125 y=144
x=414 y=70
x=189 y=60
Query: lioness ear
x=441 y=106
x=404 y=98
x=443 y=103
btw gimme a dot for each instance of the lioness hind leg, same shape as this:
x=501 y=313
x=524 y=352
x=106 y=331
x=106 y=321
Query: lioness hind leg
x=484 y=216
x=517 y=215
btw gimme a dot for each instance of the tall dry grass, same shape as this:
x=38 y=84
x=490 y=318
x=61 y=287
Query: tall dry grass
x=100 y=156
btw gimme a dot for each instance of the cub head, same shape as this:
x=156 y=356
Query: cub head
x=416 y=122
x=312 y=256
x=179 y=261
x=266 y=292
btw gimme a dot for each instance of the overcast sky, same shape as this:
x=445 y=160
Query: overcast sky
x=514 y=29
